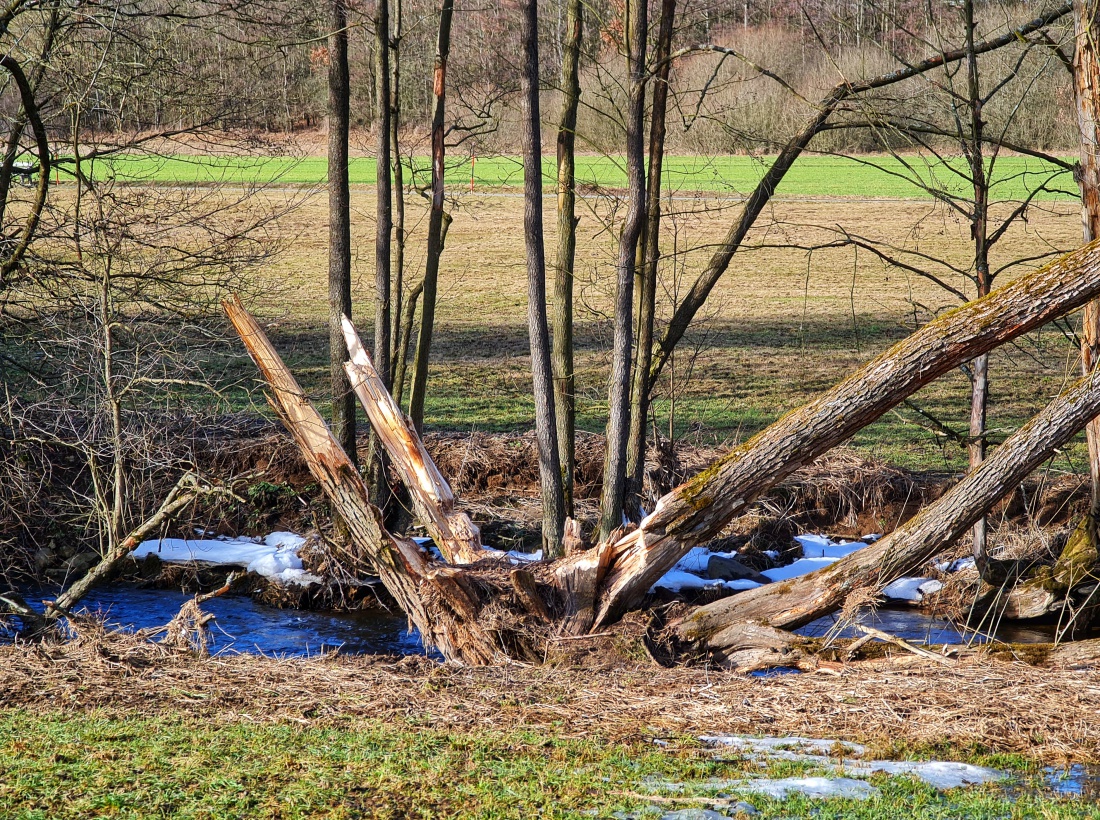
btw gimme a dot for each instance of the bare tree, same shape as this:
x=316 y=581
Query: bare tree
x=550 y=467
x=618 y=421
x=565 y=379
x=435 y=219
x=339 y=205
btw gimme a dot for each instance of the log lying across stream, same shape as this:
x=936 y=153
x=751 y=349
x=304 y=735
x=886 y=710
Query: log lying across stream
x=475 y=609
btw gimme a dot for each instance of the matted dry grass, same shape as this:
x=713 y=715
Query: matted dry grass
x=1048 y=714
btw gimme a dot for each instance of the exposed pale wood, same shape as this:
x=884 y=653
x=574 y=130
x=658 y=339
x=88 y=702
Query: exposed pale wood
x=697 y=510
x=572 y=537
x=871 y=632
x=796 y=602
x=1077 y=653
x=755 y=646
x=457 y=537
x=527 y=591
x=578 y=579
x=431 y=594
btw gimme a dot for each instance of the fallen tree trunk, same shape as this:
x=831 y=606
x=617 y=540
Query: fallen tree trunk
x=457 y=537
x=798 y=601
x=438 y=599
x=698 y=510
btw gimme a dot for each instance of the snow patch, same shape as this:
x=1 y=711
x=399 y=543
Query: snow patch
x=912 y=590
x=819 y=787
x=274 y=557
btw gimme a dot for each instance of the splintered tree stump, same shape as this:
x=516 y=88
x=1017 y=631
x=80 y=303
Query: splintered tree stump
x=796 y=602
x=435 y=597
x=697 y=511
x=480 y=613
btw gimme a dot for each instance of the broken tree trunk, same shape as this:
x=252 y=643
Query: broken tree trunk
x=457 y=537
x=438 y=599
x=697 y=510
x=798 y=601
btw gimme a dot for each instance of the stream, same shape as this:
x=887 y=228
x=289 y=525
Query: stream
x=245 y=626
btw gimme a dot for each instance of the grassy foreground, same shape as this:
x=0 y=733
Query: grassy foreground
x=812 y=176
x=56 y=765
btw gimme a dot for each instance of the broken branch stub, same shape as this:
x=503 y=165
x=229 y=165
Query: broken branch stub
x=798 y=601
x=697 y=510
x=457 y=537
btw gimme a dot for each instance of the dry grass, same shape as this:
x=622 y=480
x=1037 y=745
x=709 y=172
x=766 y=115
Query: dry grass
x=1046 y=714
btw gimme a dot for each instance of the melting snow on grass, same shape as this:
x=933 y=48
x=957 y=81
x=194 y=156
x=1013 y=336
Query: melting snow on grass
x=274 y=557
x=846 y=758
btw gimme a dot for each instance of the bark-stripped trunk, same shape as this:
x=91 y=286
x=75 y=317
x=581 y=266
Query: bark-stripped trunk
x=550 y=468
x=339 y=214
x=435 y=219
x=457 y=537
x=565 y=383
x=650 y=243
x=618 y=421
x=720 y=261
x=796 y=602
x=438 y=599
x=1086 y=86
x=697 y=510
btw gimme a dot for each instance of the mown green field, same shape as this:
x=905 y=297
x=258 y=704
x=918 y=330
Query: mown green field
x=57 y=765
x=812 y=176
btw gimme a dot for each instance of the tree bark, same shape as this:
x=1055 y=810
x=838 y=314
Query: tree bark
x=435 y=220
x=979 y=232
x=339 y=214
x=650 y=243
x=383 y=195
x=1086 y=88
x=550 y=467
x=565 y=383
x=794 y=603
x=398 y=205
x=457 y=537
x=697 y=510
x=719 y=262
x=618 y=421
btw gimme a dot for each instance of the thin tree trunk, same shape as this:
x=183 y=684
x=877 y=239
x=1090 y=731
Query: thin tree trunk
x=979 y=368
x=339 y=249
x=719 y=262
x=1086 y=86
x=565 y=382
x=796 y=602
x=618 y=421
x=398 y=199
x=403 y=337
x=697 y=510
x=384 y=194
x=651 y=250
x=435 y=220
x=550 y=468
x=383 y=304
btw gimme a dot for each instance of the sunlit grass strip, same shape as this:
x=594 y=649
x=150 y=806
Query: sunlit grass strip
x=62 y=765
x=812 y=176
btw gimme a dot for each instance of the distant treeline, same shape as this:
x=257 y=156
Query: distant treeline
x=261 y=67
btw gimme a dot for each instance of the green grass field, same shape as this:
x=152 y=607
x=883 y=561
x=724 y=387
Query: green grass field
x=57 y=765
x=812 y=176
